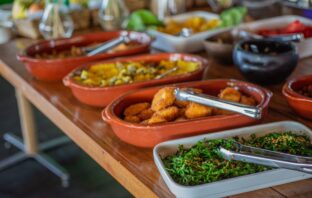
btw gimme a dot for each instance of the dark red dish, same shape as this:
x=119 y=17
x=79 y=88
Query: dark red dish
x=56 y=69
x=150 y=135
x=102 y=96
x=301 y=104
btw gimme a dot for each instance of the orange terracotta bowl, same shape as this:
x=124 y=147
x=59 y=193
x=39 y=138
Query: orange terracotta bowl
x=102 y=96
x=56 y=69
x=150 y=135
x=302 y=105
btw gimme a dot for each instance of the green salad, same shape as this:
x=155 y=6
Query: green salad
x=203 y=163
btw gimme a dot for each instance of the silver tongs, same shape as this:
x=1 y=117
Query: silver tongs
x=123 y=38
x=268 y=158
x=212 y=101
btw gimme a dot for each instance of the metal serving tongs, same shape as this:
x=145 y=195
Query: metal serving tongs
x=268 y=158
x=123 y=38
x=189 y=95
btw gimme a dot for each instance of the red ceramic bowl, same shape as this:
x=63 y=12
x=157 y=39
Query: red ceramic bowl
x=102 y=96
x=149 y=136
x=302 y=105
x=56 y=69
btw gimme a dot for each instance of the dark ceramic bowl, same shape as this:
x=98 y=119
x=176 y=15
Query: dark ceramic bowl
x=265 y=61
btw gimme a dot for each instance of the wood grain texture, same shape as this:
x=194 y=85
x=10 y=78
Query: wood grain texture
x=133 y=167
x=267 y=193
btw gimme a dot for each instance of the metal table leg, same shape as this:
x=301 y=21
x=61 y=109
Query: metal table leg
x=30 y=149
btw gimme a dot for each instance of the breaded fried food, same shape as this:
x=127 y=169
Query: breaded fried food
x=221 y=112
x=156 y=119
x=181 y=103
x=146 y=114
x=230 y=94
x=163 y=98
x=169 y=113
x=136 y=108
x=145 y=122
x=131 y=118
x=194 y=110
x=182 y=112
x=248 y=101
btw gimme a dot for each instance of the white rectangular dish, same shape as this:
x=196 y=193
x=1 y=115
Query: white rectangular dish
x=234 y=185
x=304 y=47
x=193 y=43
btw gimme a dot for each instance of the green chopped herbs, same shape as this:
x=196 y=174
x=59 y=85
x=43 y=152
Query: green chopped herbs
x=203 y=163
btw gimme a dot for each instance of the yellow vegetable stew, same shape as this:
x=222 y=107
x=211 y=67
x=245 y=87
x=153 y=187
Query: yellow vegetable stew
x=196 y=24
x=118 y=73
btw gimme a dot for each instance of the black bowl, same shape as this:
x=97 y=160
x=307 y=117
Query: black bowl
x=265 y=61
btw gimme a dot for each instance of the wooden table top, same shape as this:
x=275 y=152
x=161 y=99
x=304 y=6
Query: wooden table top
x=133 y=167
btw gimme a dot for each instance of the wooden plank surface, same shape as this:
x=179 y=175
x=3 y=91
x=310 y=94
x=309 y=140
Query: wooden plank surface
x=133 y=167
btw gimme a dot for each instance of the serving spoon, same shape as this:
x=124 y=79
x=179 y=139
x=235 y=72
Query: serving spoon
x=167 y=73
x=103 y=47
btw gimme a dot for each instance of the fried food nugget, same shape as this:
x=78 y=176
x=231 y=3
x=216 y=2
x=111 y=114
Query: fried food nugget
x=182 y=112
x=163 y=98
x=131 y=118
x=146 y=114
x=169 y=113
x=145 y=122
x=136 y=108
x=221 y=112
x=181 y=103
x=248 y=101
x=156 y=119
x=230 y=94
x=194 y=110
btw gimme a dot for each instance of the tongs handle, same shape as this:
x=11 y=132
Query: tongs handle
x=253 y=112
x=267 y=161
x=273 y=154
x=123 y=38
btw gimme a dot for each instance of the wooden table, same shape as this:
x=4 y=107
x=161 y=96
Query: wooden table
x=133 y=167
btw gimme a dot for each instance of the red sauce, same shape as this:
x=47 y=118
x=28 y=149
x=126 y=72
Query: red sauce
x=292 y=28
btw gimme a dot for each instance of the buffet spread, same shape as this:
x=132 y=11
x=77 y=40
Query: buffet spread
x=152 y=100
